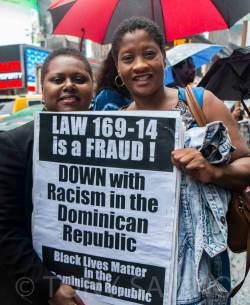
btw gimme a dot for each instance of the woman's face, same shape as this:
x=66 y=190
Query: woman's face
x=140 y=64
x=67 y=85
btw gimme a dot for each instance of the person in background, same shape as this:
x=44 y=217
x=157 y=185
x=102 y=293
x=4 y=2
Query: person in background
x=67 y=85
x=246 y=116
x=237 y=112
x=139 y=53
x=111 y=94
x=183 y=73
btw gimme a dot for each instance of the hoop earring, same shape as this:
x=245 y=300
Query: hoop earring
x=118 y=81
x=44 y=105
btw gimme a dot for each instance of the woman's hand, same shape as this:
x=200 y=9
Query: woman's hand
x=237 y=113
x=66 y=295
x=192 y=162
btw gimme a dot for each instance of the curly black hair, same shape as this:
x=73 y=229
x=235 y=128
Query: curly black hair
x=106 y=74
x=137 y=23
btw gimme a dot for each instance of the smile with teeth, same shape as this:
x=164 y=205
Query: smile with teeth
x=69 y=99
x=142 y=77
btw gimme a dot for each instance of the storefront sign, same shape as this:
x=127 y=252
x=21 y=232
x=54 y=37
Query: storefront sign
x=11 y=75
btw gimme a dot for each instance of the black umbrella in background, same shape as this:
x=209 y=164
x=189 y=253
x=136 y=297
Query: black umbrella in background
x=229 y=78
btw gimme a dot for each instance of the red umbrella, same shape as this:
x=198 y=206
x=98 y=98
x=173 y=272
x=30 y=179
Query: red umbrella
x=97 y=19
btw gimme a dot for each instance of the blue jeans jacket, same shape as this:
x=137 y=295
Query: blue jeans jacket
x=203 y=266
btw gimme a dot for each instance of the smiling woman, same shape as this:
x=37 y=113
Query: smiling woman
x=66 y=86
x=67 y=82
x=138 y=50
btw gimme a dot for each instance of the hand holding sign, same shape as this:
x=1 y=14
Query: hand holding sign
x=66 y=295
x=192 y=162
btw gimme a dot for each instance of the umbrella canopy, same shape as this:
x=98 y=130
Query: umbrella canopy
x=97 y=19
x=229 y=77
x=201 y=53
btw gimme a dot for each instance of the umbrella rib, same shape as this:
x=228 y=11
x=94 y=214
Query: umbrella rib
x=152 y=10
x=163 y=21
x=111 y=16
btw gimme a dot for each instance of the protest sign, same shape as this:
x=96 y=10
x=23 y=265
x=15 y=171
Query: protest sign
x=105 y=198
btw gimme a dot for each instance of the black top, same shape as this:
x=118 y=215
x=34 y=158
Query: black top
x=21 y=270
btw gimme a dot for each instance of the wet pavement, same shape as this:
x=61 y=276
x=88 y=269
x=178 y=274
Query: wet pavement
x=237 y=271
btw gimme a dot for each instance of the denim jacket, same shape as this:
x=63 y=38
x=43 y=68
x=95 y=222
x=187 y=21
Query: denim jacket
x=202 y=239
